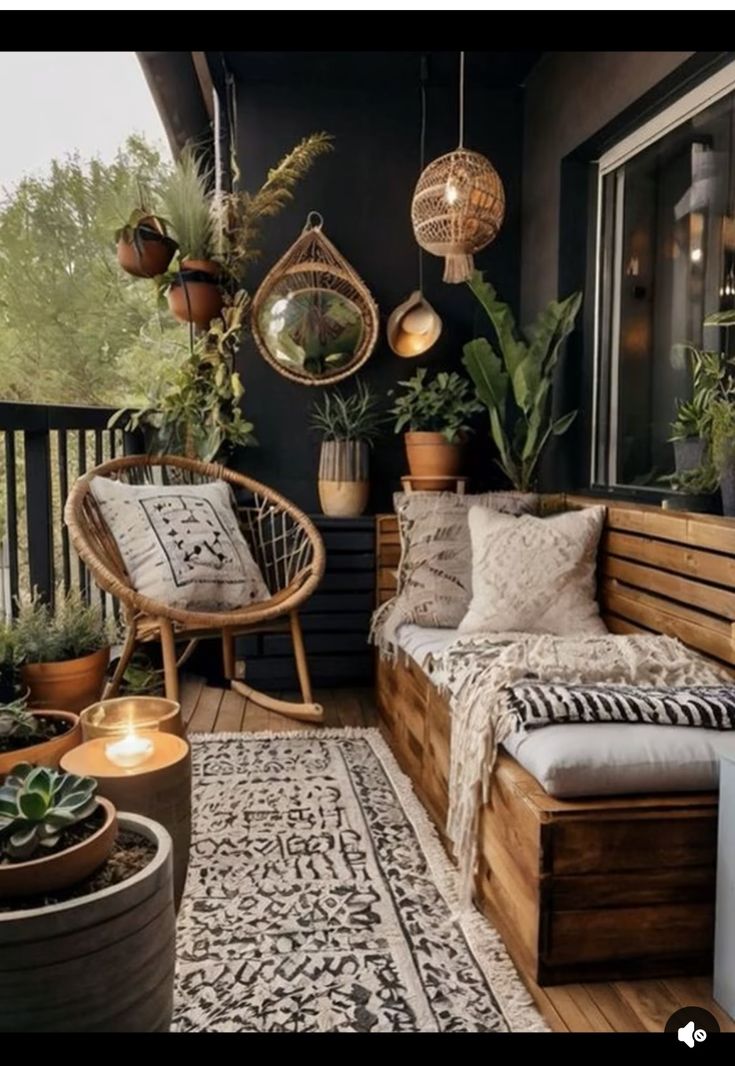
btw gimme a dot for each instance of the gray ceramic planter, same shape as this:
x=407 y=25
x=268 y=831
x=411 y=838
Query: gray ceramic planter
x=100 y=964
x=688 y=454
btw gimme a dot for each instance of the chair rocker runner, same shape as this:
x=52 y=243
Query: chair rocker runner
x=284 y=542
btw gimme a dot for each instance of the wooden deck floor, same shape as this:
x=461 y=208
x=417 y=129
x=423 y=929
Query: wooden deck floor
x=620 y=1006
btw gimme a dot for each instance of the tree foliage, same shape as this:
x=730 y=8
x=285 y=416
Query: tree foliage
x=74 y=328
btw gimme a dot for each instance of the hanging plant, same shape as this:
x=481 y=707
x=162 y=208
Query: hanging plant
x=195 y=408
x=144 y=248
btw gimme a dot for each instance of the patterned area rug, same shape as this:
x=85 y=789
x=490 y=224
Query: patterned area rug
x=320 y=899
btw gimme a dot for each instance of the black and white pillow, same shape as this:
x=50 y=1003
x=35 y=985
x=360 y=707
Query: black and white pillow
x=536 y=704
x=181 y=544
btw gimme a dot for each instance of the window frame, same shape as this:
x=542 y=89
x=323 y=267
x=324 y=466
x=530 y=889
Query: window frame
x=603 y=443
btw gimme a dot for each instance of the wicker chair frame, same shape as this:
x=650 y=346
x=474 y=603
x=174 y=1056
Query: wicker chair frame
x=284 y=542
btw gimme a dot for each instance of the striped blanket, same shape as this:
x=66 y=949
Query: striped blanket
x=535 y=704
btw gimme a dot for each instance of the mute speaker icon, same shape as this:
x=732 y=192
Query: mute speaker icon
x=688 y=1034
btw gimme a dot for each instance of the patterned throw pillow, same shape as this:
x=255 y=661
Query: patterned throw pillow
x=435 y=572
x=534 y=575
x=181 y=544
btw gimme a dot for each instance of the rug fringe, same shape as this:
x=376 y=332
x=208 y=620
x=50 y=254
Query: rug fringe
x=486 y=944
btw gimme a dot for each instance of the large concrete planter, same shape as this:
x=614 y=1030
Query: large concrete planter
x=102 y=963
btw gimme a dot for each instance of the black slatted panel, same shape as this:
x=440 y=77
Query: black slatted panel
x=336 y=619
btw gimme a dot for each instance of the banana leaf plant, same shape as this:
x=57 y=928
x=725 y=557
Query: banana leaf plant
x=514 y=379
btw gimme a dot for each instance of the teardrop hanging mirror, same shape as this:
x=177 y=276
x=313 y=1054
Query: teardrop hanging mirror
x=313 y=317
x=415 y=327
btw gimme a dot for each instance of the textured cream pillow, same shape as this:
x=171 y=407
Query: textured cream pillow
x=435 y=572
x=181 y=544
x=534 y=575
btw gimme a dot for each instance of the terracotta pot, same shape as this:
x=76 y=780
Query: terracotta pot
x=149 y=254
x=191 y=299
x=431 y=455
x=70 y=685
x=63 y=868
x=205 y=266
x=48 y=752
x=343 y=477
x=110 y=718
x=102 y=963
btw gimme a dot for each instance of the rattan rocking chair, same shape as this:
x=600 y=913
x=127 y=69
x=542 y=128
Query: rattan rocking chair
x=284 y=542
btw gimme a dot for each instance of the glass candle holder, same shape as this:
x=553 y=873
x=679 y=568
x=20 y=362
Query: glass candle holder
x=117 y=717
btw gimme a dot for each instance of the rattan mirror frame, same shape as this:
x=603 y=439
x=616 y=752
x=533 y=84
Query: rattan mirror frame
x=311 y=261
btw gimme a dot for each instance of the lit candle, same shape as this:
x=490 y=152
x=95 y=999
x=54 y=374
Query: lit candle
x=130 y=750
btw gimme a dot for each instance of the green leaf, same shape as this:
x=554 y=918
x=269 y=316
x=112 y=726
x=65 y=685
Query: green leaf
x=562 y=424
x=721 y=318
x=486 y=370
x=32 y=805
x=512 y=348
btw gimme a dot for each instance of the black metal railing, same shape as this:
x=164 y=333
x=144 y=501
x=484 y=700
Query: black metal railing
x=43 y=449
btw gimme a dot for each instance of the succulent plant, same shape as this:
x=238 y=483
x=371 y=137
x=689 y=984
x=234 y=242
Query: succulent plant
x=37 y=805
x=17 y=722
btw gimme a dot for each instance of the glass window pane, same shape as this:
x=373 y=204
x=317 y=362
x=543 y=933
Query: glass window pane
x=668 y=260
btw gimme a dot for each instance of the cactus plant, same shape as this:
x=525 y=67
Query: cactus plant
x=37 y=805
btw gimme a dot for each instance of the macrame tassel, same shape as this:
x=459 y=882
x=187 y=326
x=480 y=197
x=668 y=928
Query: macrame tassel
x=458 y=268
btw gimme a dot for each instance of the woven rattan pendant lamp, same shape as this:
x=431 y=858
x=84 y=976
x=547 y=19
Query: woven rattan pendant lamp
x=458 y=204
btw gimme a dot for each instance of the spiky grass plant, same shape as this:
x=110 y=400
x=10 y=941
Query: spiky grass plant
x=186 y=204
x=354 y=417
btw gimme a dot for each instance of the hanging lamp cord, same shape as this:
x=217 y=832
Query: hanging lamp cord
x=422 y=154
x=461 y=99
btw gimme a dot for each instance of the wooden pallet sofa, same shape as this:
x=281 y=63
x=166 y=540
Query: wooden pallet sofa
x=590 y=889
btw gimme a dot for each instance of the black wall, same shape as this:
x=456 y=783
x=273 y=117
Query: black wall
x=363 y=190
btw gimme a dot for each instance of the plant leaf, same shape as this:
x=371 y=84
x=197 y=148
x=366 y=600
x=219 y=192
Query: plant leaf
x=562 y=424
x=513 y=349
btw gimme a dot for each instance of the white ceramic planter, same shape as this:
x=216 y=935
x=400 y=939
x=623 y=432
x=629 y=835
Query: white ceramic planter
x=103 y=963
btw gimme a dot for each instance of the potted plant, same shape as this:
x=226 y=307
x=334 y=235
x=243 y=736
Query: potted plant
x=87 y=923
x=144 y=248
x=64 y=652
x=10 y=686
x=435 y=417
x=38 y=737
x=723 y=451
x=349 y=426
x=515 y=382
x=691 y=429
x=194 y=294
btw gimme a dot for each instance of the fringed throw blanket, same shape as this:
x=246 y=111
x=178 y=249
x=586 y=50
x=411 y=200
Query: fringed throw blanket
x=476 y=672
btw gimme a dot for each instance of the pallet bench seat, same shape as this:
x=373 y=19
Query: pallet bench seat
x=590 y=889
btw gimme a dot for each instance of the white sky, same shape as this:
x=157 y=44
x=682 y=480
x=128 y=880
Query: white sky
x=52 y=103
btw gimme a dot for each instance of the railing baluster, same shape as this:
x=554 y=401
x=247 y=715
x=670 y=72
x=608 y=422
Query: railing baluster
x=98 y=456
x=39 y=512
x=63 y=460
x=82 y=469
x=11 y=513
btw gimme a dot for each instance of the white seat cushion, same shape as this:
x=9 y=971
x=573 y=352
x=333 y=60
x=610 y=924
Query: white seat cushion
x=601 y=758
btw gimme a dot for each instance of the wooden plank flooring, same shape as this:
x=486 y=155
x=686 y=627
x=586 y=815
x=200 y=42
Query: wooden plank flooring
x=619 y=1006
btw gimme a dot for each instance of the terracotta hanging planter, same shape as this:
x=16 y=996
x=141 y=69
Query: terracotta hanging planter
x=344 y=484
x=47 y=752
x=36 y=877
x=68 y=686
x=144 y=249
x=430 y=455
x=194 y=294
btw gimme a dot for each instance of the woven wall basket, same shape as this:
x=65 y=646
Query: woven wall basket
x=313 y=318
x=458 y=207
